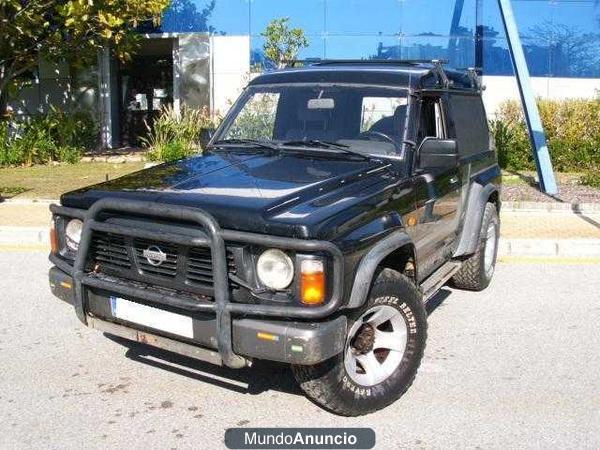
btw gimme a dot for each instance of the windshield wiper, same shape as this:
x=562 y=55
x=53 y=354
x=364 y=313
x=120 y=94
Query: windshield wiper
x=247 y=142
x=317 y=143
x=312 y=143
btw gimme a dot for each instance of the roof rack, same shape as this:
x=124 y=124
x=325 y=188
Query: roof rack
x=396 y=62
x=436 y=66
x=473 y=74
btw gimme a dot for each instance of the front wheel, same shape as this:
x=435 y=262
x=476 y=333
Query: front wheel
x=383 y=350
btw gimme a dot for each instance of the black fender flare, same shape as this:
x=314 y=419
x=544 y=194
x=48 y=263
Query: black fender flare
x=368 y=265
x=478 y=197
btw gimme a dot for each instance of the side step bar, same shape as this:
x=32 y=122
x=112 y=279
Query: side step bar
x=437 y=279
x=192 y=351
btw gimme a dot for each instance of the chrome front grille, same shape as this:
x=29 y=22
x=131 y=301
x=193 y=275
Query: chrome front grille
x=111 y=250
x=182 y=266
x=199 y=266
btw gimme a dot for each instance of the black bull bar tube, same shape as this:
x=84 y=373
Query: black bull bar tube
x=209 y=235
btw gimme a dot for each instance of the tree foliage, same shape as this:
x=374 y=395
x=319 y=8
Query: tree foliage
x=283 y=43
x=71 y=30
x=184 y=15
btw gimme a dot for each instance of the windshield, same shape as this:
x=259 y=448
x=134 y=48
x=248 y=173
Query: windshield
x=361 y=119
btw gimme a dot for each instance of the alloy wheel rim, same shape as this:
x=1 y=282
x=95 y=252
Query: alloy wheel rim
x=490 y=250
x=386 y=336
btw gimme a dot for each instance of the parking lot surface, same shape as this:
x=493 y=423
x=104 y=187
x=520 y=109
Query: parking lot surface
x=514 y=366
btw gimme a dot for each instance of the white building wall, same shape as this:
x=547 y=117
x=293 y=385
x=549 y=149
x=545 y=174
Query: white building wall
x=230 y=70
x=499 y=89
x=192 y=77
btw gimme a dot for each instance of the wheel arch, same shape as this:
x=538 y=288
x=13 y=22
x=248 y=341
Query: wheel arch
x=479 y=196
x=394 y=252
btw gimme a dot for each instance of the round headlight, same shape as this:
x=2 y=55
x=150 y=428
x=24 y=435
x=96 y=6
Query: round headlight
x=275 y=269
x=73 y=233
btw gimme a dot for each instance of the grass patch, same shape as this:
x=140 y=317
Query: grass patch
x=11 y=191
x=50 y=182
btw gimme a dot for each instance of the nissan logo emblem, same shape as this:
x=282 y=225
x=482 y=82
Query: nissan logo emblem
x=154 y=255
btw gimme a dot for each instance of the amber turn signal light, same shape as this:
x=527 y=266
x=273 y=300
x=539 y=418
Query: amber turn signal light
x=53 y=240
x=312 y=282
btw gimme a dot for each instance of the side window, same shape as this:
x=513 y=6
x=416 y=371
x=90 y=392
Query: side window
x=383 y=114
x=470 y=124
x=432 y=122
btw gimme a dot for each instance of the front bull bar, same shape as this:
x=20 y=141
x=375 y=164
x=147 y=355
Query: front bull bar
x=210 y=235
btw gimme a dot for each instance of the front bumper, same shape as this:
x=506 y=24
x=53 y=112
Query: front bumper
x=205 y=232
x=292 y=342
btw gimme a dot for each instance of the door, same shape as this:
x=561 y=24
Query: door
x=438 y=192
x=146 y=86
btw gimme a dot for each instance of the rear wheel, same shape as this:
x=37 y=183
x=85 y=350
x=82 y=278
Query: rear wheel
x=476 y=272
x=384 y=346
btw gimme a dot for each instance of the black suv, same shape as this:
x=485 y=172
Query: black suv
x=331 y=204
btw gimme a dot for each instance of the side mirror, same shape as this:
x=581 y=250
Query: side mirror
x=437 y=153
x=206 y=135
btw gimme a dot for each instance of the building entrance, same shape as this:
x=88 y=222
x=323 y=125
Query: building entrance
x=145 y=86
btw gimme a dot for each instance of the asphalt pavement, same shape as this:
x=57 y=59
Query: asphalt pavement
x=515 y=366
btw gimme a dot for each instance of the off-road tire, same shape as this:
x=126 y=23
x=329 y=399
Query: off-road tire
x=328 y=383
x=472 y=275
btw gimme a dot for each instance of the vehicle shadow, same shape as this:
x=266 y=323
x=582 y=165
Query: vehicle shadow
x=434 y=302
x=263 y=376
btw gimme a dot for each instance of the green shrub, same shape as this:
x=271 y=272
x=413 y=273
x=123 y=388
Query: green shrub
x=512 y=143
x=56 y=136
x=176 y=134
x=76 y=129
x=35 y=145
x=7 y=156
x=68 y=154
x=591 y=178
x=572 y=129
x=171 y=151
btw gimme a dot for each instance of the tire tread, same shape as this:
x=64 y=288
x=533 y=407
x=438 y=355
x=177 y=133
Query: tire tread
x=469 y=276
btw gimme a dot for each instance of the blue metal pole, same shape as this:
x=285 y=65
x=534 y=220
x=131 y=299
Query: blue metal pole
x=458 y=9
x=532 y=114
x=479 y=37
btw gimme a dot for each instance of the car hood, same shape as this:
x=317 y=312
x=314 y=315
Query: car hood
x=285 y=194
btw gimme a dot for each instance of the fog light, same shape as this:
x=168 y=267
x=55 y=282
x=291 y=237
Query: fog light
x=312 y=282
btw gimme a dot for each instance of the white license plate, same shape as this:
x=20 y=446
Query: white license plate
x=152 y=317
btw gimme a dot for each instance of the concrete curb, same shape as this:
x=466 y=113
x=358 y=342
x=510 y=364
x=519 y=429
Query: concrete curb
x=551 y=207
x=29 y=201
x=584 y=248
x=15 y=236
